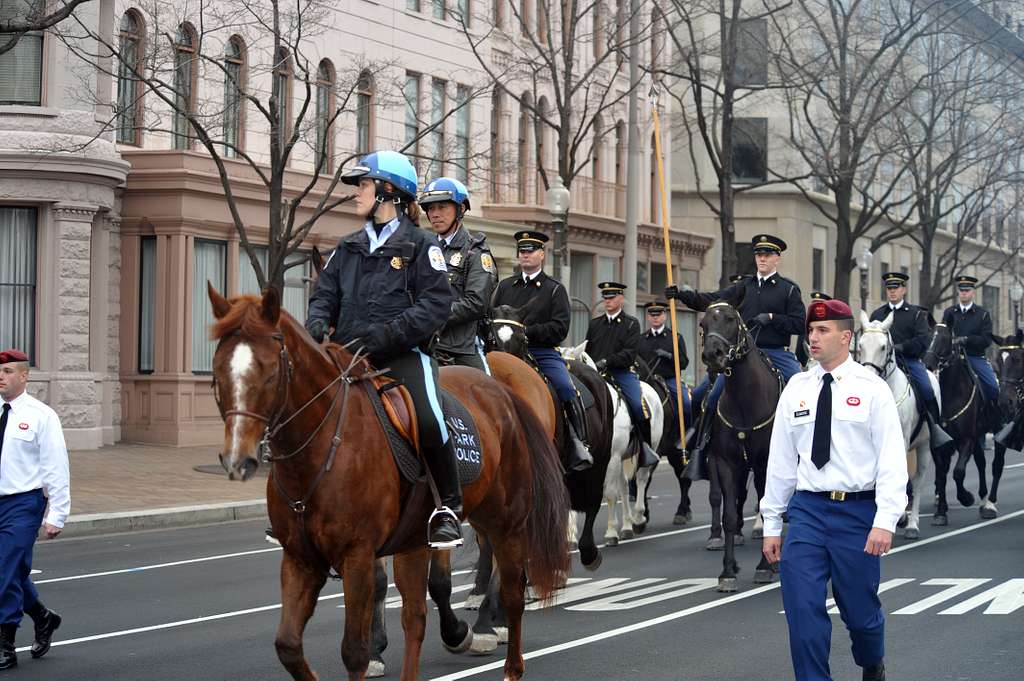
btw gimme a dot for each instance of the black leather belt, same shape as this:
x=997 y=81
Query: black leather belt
x=846 y=496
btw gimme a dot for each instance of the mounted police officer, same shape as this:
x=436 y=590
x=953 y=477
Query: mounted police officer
x=471 y=272
x=971 y=327
x=385 y=290
x=546 y=324
x=613 y=339
x=773 y=309
x=909 y=333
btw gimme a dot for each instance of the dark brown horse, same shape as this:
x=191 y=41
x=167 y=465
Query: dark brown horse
x=335 y=496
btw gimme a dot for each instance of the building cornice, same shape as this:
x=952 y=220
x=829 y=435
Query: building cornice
x=63 y=167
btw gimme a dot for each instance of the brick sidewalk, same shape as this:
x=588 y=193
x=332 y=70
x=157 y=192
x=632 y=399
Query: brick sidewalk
x=125 y=477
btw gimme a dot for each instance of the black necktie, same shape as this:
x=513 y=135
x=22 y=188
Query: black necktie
x=3 y=425
x=823 y=424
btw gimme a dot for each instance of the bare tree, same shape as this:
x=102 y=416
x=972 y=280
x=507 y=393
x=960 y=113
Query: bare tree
x=18 y=17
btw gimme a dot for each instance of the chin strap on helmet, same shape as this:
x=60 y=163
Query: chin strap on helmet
x=383 y=195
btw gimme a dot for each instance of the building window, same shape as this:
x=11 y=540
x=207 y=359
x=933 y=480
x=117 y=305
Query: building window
x=127 y=82
x=324 y=157
x=437 y=141
x=499 y=13
x=659 y=278
x=439 y=9
x=412 y=116
x=21 y=67
x=294 y=299
x=751 y=53
x=656 y=40
x=496 y=142
x=582 y=289
x=750 y=150
x=462 y=133
x=147 y=304
x=413 y=5
x=464 y=15
x=283 y=92
x=234 y=75
x=655 y=202
x=990 y=299
x=184 y=85
x=18 y=278
x=642 y=276
x=523 y=145
x=364 y=113
x=817 y=269
x=210 y=264
x=525 y=10
x=599 y=44
x=541 y=132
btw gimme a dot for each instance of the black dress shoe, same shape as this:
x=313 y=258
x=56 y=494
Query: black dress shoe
x=8 y=658
x=44 y=633
x=445 y=531
x=876 y=673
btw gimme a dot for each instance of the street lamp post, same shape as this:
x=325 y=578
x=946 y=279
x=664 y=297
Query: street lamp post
x=864 y=265
x=558 y=206
x=1016 y=293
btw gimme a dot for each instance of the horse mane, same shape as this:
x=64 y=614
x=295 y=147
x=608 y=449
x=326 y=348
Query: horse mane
x=246 y=316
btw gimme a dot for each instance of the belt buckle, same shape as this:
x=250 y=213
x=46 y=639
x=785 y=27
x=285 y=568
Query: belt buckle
x=837 y=496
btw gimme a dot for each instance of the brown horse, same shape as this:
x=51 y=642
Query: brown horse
x=335 y=497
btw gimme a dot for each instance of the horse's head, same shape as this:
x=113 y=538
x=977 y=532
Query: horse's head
x=508 y=330
x=250 y=374
x=1010 y=362
x=725 y=336
x=578 y=353
x=874 y=343
x=940 y=348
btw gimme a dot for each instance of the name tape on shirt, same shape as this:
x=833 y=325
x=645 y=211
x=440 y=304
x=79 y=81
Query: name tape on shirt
x=802 y=412
x=437 y=259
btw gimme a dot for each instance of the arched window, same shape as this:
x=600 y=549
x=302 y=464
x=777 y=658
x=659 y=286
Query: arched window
x=598 y=149
x=496 y=143
x=128 y=90
x=282 y=90
x=364 y=113
x=620 y=152
x=542 y=134
x=185 y=62
x=234 y=103
x=523 y=145
x=324 y=156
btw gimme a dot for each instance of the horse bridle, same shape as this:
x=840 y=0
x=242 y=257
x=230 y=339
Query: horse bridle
x=890 y=354
x=738 y=349
x=940 y=362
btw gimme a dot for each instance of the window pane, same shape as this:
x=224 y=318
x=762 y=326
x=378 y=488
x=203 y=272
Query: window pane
x=126 y=91
x=581 y=287
x=462 y=134
x=247 y=281
x=18 y=278
x=414 y=5
x=21 y=71
x=232 y=106
x=210 y=259
x=749 y=150
x=294 y=299
x=147 y=303
x=752 y=52
x=412 y=113
x=437 y=151
x=438 y=9
x=182 y=97
x=323 y=114
x=659 y=278
x=817 y=269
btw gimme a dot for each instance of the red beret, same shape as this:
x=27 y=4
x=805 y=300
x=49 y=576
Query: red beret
x=12 y=355
x=827 y=310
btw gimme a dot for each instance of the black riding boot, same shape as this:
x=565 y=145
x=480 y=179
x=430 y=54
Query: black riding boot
x=875 y=673
x=1012 y=434
x=46 y=622
x=646 y=457
x=579 y=454
x=697 y=445
x=939 y=439
x=445 y=531
x=8 y=658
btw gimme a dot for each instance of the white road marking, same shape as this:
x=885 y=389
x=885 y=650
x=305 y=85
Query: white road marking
x=1005 y=598
x=887 y=585
x=1014 y=465
x=679 y=614
x=660 y=593
x=956 y=587
x=155 y=566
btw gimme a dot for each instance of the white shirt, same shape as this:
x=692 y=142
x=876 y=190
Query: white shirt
x=966 y=308
x=895 y=306
x=658 y=330
x=35 y=457
x=385 y=232
x=761 y=280
x=867 y=444
x=527 y=278
x=611 y=317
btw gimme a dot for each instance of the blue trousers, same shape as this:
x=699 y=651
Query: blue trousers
x=825 y=542
x=989 y=384
x=629 y=384
x=673 y=402
x=784 y=361
x=918 y=375
x=555 y=370
x=21 y=516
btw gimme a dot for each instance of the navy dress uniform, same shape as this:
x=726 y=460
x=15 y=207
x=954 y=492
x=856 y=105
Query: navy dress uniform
x=385 y=289
x=546 y=326
x=472 y=276
x=971 y=326
x=34 y=486
x=838 y=468
x=612 y=342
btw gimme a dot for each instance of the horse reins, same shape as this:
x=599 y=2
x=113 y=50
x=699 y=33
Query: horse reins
x=942 y=364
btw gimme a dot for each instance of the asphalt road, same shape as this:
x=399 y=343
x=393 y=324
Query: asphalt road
x=202 y=603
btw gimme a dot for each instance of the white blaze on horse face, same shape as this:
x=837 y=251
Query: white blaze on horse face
x=505 y=333
x=241 y=362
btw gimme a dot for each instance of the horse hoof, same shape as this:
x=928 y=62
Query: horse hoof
x=612 y=541
x=462 y=646
x=483 y=644
x=727 y=585
x=902 y=522
x=763 y=576
x=628 y=533
x=965 y=498
x=593 y=565
x=739 y=540
x=375 y=670
x=679 y=519
x=474 y=601
x=573 y=546
x=757 y=534
x=940 y=520
x=715 y=544
x=988 y=512
x=640 y=528
x=911 y=533
x=502 y=633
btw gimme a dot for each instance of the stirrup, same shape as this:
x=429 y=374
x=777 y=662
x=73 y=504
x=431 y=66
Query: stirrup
x=450 y=544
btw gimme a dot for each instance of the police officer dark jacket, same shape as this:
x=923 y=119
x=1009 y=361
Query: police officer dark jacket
x=403 y=284
x=547 y=320
x=614 y=340
x=975 y=325
x=909 y=323
x=472 y=276
x=651 y=342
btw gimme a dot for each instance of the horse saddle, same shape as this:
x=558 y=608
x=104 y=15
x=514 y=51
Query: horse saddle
x=584 y=392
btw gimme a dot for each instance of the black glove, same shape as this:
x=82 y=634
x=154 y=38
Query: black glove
x=763 y=319
x=602 y=365
x=672 y=292
x=317 y=328
x=664 y=354
x=376 y=340
x=899 y=348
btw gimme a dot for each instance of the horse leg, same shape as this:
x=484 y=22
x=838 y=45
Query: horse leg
x=979 y=463
x=913 y=528
x=683 y=514
x=378 y=630
x=300 y=586
x=988 y=507
x=456 y=635
x=641 y=512
x=715 y=542
x=571 y=531
x=590 y=555
x=727 y=481
x=511 y=555
x=411 y=579
x=940 y=518
x=741 y=501
x=960 y=472
x=490 y=618
x=614 y=490
x=484 y=564
x=360 y=587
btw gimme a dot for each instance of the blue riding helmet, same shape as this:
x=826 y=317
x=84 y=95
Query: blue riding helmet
x=445 y=189
x=386 y=166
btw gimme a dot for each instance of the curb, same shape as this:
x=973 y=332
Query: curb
x=176 y=516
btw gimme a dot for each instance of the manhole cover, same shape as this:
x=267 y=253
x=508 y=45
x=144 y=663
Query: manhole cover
x=217 y=469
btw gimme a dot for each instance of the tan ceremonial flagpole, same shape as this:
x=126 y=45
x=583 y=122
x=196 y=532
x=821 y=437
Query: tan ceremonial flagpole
x=668 y=267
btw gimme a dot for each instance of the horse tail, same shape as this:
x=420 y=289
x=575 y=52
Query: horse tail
x=547 y=549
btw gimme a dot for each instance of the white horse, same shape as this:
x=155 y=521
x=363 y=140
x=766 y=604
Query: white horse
x=621 y=466
x=875 y=350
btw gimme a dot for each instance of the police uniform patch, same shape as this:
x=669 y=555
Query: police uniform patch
x=456 y=260
x=488 y=262
x=437 y=259
x=397 y=263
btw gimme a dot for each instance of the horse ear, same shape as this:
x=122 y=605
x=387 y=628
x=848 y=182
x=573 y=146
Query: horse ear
x=997 y=339
x=316 y=258
x=737 y=300
x=887 y=323
x=865 y=321
x=272 y=305
x=220 y=304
